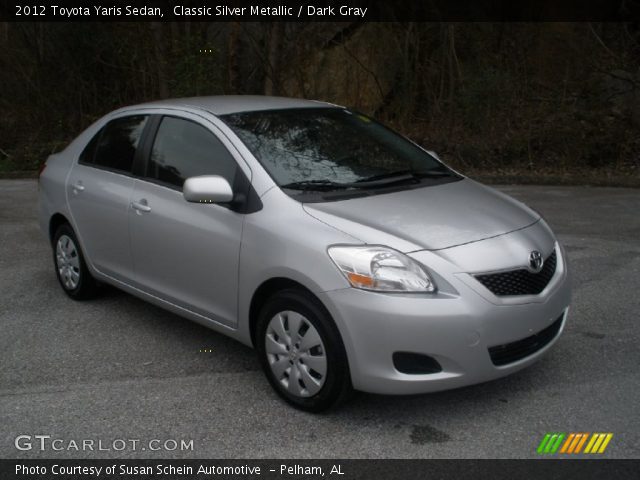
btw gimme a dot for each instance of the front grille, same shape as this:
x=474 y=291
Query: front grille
x=521 y=281
x=514 y=351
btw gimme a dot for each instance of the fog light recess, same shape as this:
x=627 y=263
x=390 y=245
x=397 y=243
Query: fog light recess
x=415 y=363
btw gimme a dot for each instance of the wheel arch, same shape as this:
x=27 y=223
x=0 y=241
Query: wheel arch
x=267 y=289
x=55 y=221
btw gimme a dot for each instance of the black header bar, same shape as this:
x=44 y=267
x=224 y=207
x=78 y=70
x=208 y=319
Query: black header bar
x=319 y=10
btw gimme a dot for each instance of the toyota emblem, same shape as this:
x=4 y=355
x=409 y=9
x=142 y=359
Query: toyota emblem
x=535 y=261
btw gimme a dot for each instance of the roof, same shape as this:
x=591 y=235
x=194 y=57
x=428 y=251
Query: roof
x=224 y=104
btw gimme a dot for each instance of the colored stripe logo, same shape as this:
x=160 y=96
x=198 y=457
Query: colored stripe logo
x=573 y=443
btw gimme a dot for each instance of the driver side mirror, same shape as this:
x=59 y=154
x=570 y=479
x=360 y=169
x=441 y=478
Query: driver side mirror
x=207 y=189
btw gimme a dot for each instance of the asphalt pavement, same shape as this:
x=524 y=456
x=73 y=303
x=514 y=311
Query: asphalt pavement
x=117 y=368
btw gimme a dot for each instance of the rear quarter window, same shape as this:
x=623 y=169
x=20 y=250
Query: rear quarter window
x=114 y=146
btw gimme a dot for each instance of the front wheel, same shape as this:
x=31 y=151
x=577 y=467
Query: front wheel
x=301 y=351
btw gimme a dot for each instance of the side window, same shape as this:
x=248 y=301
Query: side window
x=115 y=145
x=184 y=149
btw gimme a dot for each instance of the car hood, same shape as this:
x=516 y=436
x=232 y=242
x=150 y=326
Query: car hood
x=431 y=218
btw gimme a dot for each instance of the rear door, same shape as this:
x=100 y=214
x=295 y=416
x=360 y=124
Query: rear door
x=99 y=190
x=187 y=253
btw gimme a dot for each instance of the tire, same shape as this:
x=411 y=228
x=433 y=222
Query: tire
x=70 y=266
x=309 y=369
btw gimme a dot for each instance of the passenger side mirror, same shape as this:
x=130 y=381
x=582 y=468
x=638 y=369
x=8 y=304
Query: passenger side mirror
x=207 y=189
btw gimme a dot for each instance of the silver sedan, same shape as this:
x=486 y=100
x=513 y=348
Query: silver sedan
x=348 y=256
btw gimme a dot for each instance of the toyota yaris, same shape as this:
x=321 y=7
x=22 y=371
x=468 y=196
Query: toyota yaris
x=348 y=256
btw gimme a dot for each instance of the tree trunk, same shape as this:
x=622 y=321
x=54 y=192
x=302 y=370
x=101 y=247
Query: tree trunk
x=233 y=69
x=4 y=33
x=274 y=43
x=160 y=59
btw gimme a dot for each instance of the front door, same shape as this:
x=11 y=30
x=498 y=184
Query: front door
x=186 y=253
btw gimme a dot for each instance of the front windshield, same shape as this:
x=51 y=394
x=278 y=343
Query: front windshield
x=333 y=145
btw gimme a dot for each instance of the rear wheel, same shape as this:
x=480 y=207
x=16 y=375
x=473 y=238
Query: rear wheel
x=71 y=269
x=301 y=351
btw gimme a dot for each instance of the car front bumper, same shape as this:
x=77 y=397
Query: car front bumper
x=456 y=329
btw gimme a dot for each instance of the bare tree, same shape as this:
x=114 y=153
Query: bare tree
x=160 y=59
x=233 y=54
x=272 y=68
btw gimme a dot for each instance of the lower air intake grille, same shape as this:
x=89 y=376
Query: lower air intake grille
x=514 y=351
x=520 y=282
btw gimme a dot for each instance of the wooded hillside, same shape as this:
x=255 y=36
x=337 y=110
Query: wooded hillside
x=557 y=100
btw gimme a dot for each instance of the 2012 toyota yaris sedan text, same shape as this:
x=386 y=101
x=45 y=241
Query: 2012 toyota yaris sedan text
x=348 y=256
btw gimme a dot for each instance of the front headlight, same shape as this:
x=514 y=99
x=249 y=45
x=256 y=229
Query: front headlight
x=380 y=269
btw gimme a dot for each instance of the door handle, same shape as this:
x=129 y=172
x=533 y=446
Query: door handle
x=141 y=206
x=78 y=187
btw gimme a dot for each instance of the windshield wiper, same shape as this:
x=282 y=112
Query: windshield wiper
x=360 y=184
x=316 y=185
x=434 y=173
x=402 y=175
x=369 y=182
x=384 y=179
